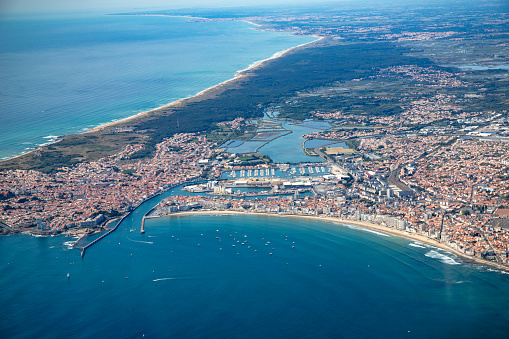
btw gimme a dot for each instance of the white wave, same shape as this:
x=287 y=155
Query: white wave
x=416 y=245
x=50 y=137
x=367 y=230
x=442 y=257
x=70 y=244
x=450 y=282
x=495 y=270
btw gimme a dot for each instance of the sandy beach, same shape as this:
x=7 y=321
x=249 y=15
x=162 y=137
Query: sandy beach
x=176 y=103
x=239 y=74
x=363 y=224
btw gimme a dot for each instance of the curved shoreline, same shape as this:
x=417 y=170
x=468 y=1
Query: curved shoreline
x=239 y=74
x=362 y=224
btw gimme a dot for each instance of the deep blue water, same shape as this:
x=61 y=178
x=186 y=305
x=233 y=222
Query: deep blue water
x=67 y=74
x=184 y=278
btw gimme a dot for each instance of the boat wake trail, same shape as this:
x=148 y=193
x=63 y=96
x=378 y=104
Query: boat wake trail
x=172 y=278
x=143 y=242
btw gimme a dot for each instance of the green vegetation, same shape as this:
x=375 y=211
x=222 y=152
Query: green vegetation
x=299 y=71
x=353 y=143
x=74 y=149
x=143 y=153
x=253 y=158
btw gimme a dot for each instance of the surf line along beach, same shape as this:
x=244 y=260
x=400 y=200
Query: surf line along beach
x=212 y=91
x=361 y=224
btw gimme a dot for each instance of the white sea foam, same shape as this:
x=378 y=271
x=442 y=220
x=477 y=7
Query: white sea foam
x=367 y=230
x=442 y=257
x=417 y=245
x=70 y=244
x=495 y=270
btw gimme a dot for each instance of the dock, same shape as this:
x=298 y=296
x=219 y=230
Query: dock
x=84 y=248
x=142 y=230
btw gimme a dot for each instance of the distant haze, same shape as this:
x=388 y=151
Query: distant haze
x=28 y=6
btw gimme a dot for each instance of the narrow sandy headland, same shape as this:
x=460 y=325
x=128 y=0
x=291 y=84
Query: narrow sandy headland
x=363 y=224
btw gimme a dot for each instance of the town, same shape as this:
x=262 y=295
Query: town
x=425 y=122
x=449 y=190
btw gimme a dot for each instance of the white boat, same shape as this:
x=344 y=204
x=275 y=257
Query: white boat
x=68 y=275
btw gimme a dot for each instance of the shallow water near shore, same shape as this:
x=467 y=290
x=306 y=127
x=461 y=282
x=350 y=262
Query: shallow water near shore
x=246 y=275
x=68 y=74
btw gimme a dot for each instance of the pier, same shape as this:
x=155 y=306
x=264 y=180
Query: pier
x=142 y=229
x=84 y=248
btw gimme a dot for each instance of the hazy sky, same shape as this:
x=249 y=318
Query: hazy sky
x=24 y=6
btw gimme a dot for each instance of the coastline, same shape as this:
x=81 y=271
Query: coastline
x=239 y=74
x=362 y=224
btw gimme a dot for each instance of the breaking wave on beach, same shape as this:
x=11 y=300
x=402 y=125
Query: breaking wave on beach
x=367 y=230
x=442 y=257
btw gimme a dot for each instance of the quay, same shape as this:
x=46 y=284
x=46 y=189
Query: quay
x=84 y=248
x=142 y=230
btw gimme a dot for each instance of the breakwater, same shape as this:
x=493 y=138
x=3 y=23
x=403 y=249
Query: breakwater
x=84 y=248
x=142 y=229
x=152 y=196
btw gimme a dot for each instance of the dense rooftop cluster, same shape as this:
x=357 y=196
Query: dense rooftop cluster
x=109 y=186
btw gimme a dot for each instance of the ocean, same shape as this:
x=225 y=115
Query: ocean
x=203 y=275
x=245 y=276
x=70 y=73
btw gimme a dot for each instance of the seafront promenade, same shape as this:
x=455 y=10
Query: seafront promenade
x=112 y=184
x=383 y=228
x=289 y=207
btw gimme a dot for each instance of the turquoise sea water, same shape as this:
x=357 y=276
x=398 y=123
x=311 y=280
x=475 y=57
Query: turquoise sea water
x=67 y=74
x=184 y=278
